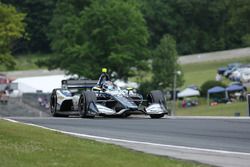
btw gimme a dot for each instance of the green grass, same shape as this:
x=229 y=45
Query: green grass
x=25 y=146
x=218 y=110
x=198 y=73
x=26 y=62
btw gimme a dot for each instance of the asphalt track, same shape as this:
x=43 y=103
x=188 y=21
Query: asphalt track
x=220 y=142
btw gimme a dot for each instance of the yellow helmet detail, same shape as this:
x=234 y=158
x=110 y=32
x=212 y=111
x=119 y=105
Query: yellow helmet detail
x=129 y=88
x=104 y=70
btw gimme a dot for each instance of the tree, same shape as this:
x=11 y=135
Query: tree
x=246 y=40
x=197 y=26
x=11 y=28
x=239 y=23
x=38 y=16
x=208 y=85
x=165 y=64
x=110 y=33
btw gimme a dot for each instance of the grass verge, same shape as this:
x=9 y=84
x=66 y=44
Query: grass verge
x=198 y=73
x=218 y=110
x=26 y=146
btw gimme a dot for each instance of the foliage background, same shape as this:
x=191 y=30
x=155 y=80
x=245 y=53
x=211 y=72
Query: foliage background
x=11 y=28
x=81 y=36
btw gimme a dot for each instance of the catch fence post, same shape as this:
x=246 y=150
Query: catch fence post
x=248 y=104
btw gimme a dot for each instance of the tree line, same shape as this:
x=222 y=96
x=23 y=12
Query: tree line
x=196 y=25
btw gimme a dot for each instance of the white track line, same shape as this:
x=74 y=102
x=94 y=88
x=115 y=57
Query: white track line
x=210 y=117
x=143 y=116
x=131 y=141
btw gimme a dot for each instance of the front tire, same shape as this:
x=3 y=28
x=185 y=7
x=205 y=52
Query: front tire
x=156 y=96
x=85 y=99
x=156 y=116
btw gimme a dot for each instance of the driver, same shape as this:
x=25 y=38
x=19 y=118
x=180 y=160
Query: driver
x=108 y=85
x=103 y=78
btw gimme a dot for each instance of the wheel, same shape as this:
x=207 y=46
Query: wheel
x=53 y=104
x=156 y=96
x=125 y=115
x=155 y=116
x=83 y=105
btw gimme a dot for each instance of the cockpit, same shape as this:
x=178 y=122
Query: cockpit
x=109 y=86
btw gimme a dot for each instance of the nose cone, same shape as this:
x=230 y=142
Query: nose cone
x=127 y=103
x=133 y=108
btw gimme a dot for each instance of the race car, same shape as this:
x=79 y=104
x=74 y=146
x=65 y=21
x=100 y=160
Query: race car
x=89 y=98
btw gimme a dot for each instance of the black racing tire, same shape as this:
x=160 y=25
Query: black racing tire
x=156 y=96
x=156 y=116
x=125 y=115
x=85 y=99
x=53 y=104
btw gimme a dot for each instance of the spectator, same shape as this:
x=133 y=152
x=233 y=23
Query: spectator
x=218 y=77
x=183 y=104
x=40 y=100
x=243 y=96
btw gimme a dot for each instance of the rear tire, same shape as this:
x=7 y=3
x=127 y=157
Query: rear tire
x=85 y=99
x=156 y=96
x=53 y=104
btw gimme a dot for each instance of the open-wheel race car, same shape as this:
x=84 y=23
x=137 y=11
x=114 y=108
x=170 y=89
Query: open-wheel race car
x=90 y=98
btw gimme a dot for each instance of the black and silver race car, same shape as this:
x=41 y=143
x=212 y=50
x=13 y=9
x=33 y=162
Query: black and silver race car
x=90 y=98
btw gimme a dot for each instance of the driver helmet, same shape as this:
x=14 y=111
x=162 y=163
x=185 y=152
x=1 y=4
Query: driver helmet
x=108 y=85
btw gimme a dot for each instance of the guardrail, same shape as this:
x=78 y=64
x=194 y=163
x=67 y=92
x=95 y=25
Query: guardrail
x=11 y=86
x=37 y=100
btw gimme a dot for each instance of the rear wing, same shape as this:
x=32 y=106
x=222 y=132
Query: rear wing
x=77 y=84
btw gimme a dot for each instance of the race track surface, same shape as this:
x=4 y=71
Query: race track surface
x=229 y=138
